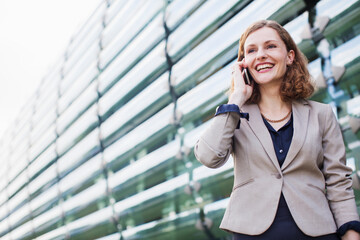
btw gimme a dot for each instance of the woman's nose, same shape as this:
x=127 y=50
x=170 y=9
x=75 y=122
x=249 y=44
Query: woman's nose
x=261 y=54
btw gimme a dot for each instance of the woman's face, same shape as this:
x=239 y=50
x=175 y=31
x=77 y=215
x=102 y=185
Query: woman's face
x=266 y=56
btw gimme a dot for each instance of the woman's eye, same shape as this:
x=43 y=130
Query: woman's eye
x=250 y=50
x=272 y=46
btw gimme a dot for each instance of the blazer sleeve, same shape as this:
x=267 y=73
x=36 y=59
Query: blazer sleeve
x=337 y=175
x=215 y=144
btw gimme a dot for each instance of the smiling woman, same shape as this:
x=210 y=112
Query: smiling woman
x=287 y=144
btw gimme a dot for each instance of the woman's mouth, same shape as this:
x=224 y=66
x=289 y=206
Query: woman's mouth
x=263 y=67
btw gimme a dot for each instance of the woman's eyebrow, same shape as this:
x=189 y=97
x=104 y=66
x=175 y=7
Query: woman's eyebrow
x=271 y=41
x=267 y=41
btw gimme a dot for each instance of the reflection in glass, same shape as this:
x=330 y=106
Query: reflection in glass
x=206 y=19
x=80 y=84
x=87 y=172
x=118 y=22
x=43 y=124
x=25 y=230
x=135 y=50
x=18 y=163
x=18 y=182
x=159 y=123
x=331 y=8
x=179 y=10
x=123 y=183
x=3 y=198
x=314 y=68
x=83 y=32
x=202 y=173
x=44 y=180
x=115 y=7
x=85 y=202
x=21 y=141
x=18 y=200
x=152 y=64
x=191 y=137
x=4 y=227
x=215 y=211
x=94 y=225
x=86 y=148
x=142 y=17
x=38 y=165
x=77 y=108
x=80 y=67
x=147 y=204
x=220 y=41
x=43 y=142
x=51 y=81
x=22 y=123
x=296 y=26
x=58 y=233
x=115 y=236
x=49 y=104
x=78 y=130
x=185 y=224
x=19 y=216
x=137 y=109
x=206 y=95
x=88 y=47
x=47 y=221
x=45 y=200
x=346 y=53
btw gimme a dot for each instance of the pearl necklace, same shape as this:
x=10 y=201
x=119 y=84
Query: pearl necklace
x=276 y=121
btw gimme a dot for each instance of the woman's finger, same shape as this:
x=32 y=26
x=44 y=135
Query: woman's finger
x=238 y=75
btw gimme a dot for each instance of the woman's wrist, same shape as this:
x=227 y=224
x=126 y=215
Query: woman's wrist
x=351 y=235
x=239 y=103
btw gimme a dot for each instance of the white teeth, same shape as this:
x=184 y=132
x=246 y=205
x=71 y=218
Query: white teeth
x=263 y=66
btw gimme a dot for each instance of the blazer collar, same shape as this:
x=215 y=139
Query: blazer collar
x=258 y=127
x=300 y=123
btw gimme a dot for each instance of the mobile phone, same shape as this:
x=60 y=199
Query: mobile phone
x=247 y=77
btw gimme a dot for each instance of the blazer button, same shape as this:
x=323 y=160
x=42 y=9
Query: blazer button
x=278 y=176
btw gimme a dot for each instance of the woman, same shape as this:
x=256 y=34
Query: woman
x=290 y=177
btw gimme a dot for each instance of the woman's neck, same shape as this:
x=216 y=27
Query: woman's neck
x=274 y=109
x=271 y=103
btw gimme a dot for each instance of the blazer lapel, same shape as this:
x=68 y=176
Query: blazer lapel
x=300 y=123
x=258 y=127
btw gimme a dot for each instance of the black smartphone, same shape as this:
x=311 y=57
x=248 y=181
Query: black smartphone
x=247 y=77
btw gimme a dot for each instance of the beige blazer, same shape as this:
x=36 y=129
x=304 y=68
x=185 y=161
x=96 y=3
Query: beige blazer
x=313 y=178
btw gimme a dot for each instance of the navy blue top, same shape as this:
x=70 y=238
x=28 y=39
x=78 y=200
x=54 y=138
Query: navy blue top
x=282 y=141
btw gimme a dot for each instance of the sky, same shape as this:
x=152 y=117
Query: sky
x=33 y=37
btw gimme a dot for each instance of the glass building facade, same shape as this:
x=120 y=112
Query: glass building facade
x=104 y=149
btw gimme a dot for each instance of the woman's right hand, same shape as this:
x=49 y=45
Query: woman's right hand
x=242 y=91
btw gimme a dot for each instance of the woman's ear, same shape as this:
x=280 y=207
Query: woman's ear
x=290 y=57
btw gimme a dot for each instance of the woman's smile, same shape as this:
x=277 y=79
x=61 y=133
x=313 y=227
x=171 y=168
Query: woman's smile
x=264 y=67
